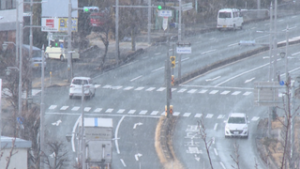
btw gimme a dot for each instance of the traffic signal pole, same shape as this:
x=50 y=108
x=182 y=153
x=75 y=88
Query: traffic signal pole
x=69 y=41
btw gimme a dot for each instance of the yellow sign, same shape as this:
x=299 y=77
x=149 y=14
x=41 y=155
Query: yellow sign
x=63 y=25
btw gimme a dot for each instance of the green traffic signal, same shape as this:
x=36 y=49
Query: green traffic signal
x=56 y=44
x=159 y=7
x=85 y=9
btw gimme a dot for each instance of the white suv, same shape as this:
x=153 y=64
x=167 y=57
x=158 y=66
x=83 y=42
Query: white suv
x=76 y=87
x=237 y=125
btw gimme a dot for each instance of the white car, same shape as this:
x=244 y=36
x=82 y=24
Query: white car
x=89 y=89
x=237 y=125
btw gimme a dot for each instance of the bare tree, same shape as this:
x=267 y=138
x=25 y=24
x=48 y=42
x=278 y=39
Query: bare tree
x=207 y=143
x=236 y=156
x=58 y=157
x=11 y=153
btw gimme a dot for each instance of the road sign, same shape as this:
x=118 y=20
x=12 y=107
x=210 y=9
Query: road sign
x=267 y=93
x=184 y=50
x=165 y=13
x=187 y=6
x=165 y=23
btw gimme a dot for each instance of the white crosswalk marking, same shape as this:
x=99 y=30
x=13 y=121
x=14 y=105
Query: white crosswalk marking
x=117 y=87
x=209 y=116
x=139 y=88
x=107 y=86
x=97 y=110
x=203 y=91
x=109 y=110
x=131 y=111
x=192 y=91
x=176 y=113
x=173 y=89
x=236 y=93
x=181 y=90
x=121 y=111
x=143 y=112
x=64 y=108
x=154 y=113
x=247 y=93
x=214 y=92
x=97 y=86
x=52 y=107
x=87 y=109
x=225 y=92
x=221 y=116
x=198 y=115
x=150 y=89
x=255 y=118
x=128 y=88
x=186 y=114
x=75 y=108
x=161 y=89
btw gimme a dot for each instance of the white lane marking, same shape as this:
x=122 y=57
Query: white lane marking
x=198 y=115
x=143 y=112
x=52 y=107
x=209 y=116
x=192 y=91
x=109 y=110
x=249 y=80
x=186 y=114
x=161 y=89
x=73 y=133
x=203 y=91
x=214 y=92
x=225 y=92
x=154 y=113
x=97 y=86
x=157 y=69
x=182 y=60
x=64 y=108
x=150 y=89
x=241 y=74
x=213 y=79
x=139 y=88
x=247 y=93
x=297 y=53
x=75 y=108
x=173 y=89
x=254 y=118
x=87 y=109
x=181 y=90
x=131 y=111
x=122 y=161
x=236 y=93
x=176 y=113
x=116 y=134
x=117 y=87
x=216 y=152
x=136 y=78
x=121 y=111
x=216 y=126
x=206 y=52
x=128 y=88
x=222 y=165
x=213 y=140
x=106 y=86
x=266 y=57
x=97 y=110
x=234 y=44
x=221 y=116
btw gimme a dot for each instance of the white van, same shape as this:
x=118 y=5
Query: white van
x=229 y=19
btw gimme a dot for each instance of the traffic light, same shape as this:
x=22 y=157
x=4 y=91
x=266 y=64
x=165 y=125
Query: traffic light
x=159 y=7
x=173 y=61
x=172 y=80
x=90 y=9
x=86 y=9
x=56 y=44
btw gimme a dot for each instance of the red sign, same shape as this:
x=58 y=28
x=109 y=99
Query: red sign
x=50 y=23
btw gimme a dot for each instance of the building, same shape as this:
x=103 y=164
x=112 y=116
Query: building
x=19 y=159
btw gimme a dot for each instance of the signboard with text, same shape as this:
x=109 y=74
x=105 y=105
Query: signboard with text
x=165 y=13
x=58 y=24
x=184 y=50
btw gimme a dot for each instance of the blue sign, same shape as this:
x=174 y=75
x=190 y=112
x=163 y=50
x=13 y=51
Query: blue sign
x=281 y=83
x=61 y=45
x=20 y=120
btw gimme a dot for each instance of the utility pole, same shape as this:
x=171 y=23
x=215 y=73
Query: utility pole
x=117 y=28
x=149 y=21
x=70 y=73
x=179 y=40
x=20 y=73
x=271 y=68
x=30 y=56
x=42 y=109
x=82 y=128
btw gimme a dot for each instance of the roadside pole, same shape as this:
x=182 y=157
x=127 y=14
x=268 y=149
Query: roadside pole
x=0 y=112
x=117 y=29
x=42 y=109
x=149 y=21
x=82 y=128
x=69 y=41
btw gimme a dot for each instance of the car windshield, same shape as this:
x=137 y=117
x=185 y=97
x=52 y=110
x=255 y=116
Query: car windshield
x=224 y=15
x=79 y=81
x=236 y=120
x=37 y=53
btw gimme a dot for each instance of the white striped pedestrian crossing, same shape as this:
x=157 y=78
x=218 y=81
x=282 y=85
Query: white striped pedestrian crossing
x=143 y=112
x=139 y=88
x=186 y=114
x=176 y=113
x=52 y=107
x=181 y=90
x=236 y=93
x=221 y=116
x=255 y=118
x=128 y=88
x=198 y=115
x=225 y=92
x=161 y=89
x=97 y=110
x=192 y=91
x=75 y=108
x=109 y=110
x=64 y=108
x=154 y=113
x=209 y=116
x=87 y=109
x=203 y=91
x=150 y=89
x=247 y=93
x=97 y=86
x=117 y=87
x=173 y=89
x=214 y=92
x=131 y=111
x=121 y=111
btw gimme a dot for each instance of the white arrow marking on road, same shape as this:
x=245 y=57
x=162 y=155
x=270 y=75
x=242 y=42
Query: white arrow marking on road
x=137 y=156
x=56 y=123
x=249 y=80
x=137 y=124
x=213 y=79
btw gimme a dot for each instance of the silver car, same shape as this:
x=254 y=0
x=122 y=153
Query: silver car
x=76 y=87
x=236 y=125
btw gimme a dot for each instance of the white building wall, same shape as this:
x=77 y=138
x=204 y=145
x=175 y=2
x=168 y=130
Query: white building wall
x=17 y=161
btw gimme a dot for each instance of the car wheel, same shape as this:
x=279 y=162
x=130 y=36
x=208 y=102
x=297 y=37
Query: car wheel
x=61 y=58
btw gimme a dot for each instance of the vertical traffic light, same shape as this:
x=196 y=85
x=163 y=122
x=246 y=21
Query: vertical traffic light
x=173 y=61
x=172 y=80
x=159 y=7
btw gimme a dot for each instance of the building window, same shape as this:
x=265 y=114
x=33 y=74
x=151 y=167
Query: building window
x=7 y=4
